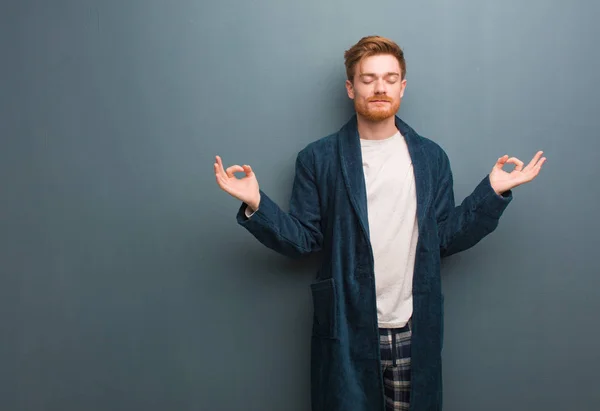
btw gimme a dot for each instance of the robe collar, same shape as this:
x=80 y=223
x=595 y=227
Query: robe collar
x=352 y=170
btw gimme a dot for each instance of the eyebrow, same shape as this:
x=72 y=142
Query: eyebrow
x=391 y=73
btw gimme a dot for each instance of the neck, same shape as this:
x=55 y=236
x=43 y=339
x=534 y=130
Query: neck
x=376 y=130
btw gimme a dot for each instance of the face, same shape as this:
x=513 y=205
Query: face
x=377 y=88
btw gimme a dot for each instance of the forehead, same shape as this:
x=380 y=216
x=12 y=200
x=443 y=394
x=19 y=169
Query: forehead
x=379 y=64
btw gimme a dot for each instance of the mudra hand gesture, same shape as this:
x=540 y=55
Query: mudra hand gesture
x=503 y=181
x=244 y=189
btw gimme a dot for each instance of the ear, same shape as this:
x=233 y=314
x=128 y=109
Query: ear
x=350 y=89
x=403 y=87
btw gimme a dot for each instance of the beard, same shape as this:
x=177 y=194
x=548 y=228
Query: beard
x=377 y=113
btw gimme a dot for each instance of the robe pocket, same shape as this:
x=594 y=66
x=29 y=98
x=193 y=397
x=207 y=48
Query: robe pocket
x=324 y=305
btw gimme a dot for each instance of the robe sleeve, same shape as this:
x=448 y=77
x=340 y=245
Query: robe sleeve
x=294 y=233
x=461 y=227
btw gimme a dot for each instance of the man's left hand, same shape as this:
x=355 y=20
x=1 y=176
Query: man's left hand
x=503 y=181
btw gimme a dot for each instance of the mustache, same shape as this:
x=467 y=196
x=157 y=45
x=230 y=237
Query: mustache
x=380 y=98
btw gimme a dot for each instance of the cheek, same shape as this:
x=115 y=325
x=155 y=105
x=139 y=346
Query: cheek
x=361 y=94
x=396 y=89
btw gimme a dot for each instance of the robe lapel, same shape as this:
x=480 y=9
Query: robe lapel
x=352 y=170
x=423 y=181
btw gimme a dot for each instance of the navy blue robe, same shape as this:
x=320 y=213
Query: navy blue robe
x=328 y=213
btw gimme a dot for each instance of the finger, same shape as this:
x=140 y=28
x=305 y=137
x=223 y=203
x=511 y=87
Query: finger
x=248 y=170
x=539 y=165
x=518 y=163
x=220 y=166
x=534 y=160
x=234 y=169
x=220 y=180
x=501 y=161
x=218 y=172
x=533 y=172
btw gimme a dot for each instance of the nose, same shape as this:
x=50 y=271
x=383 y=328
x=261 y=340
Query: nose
x=380 y=86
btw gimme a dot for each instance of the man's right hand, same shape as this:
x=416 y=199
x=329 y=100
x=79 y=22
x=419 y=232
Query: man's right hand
x=244 y=189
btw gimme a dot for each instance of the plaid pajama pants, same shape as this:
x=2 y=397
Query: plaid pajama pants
x=395 y=366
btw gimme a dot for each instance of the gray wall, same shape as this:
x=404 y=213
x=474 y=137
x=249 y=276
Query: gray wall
x=126 y=283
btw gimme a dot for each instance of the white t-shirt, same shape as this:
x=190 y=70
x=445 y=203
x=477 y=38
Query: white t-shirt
x=393 y=228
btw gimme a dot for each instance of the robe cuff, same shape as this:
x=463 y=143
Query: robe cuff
x=245 y=218
x=488 y=202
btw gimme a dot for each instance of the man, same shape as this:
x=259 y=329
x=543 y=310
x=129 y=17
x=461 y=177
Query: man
x=377 y=199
